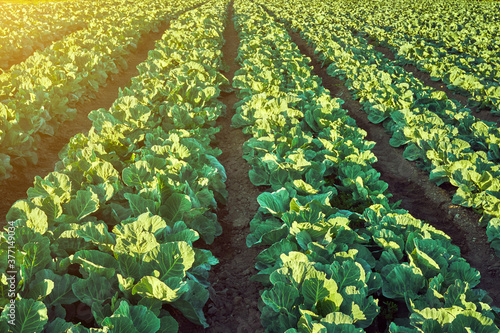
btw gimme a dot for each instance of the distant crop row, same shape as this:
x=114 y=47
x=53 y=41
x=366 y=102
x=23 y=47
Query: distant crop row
x=27 y=27
x=456 y=42
x=40 y=93
x=440 y=134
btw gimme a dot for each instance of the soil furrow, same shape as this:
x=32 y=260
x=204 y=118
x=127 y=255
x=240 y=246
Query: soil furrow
x=419 y=196
x=232 y=307
x=15 y=187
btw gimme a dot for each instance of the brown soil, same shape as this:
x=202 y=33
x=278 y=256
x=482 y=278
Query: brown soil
x=419 y=196
x=232 y=307
x=15 y=187
x=482 y=114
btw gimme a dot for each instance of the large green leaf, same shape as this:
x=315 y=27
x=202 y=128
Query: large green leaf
x=313 y=288
x=119 y=324
x=180 y=232
x=140 y=205
x=93 y=289
x=427 y=255
x=60 y=325
x=51 y=206
x=129 y=265
x=104 y=191
x=461 y=270
x=98 y=234
x=207 y=226
x=31 y=216
x=378 y=113
x=40 y=290
x=152 y=304
x=151 y=223
x=292 y=274
x=85 y=203
x=361 y=308
x=192 y=302
x=93 y=261
x=152 y=287
x=431 y=317
x=56 y=184
x=277 y=178
x=388 y=239
x=216 y=164
x=169 y=259
x=456 y=296
x=281 y=297
x=175 y=207
x=138 y=318
x=270 y=255
x=275 y=203
x=137 y=175
x=493 y=233
x=36 y=257
x=117 y=213
x=403 y=282
x=412 y=152
x=168 y=325
x=266 y=232
x=304 y=188
x=30 y=316
x=103 y=171
x=259 y=177
x=349 y=273
x=63 y=292
x=472 y=321
x=136 y=237
x=338 y=322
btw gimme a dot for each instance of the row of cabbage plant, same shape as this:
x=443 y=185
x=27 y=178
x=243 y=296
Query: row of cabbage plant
x=107 y=242
x=443 y=137
x=40 y=93
x=462 y=27
x=338 y=254
x=27 y=27
x=477 y=76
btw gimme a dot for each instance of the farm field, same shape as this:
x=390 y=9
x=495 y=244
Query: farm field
x=263 y=166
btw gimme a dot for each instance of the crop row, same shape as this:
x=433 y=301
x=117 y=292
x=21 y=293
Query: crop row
x=26 y=27
x=107 y=238
x=445 y=139
x=462 y=27
x=336 y=248
x=38 y=94
x=476 y=77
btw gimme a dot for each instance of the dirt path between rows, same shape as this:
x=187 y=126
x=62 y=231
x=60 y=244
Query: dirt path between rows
x=419 y=196
x=15 y=187
x=232 y=307
x=480 y=113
